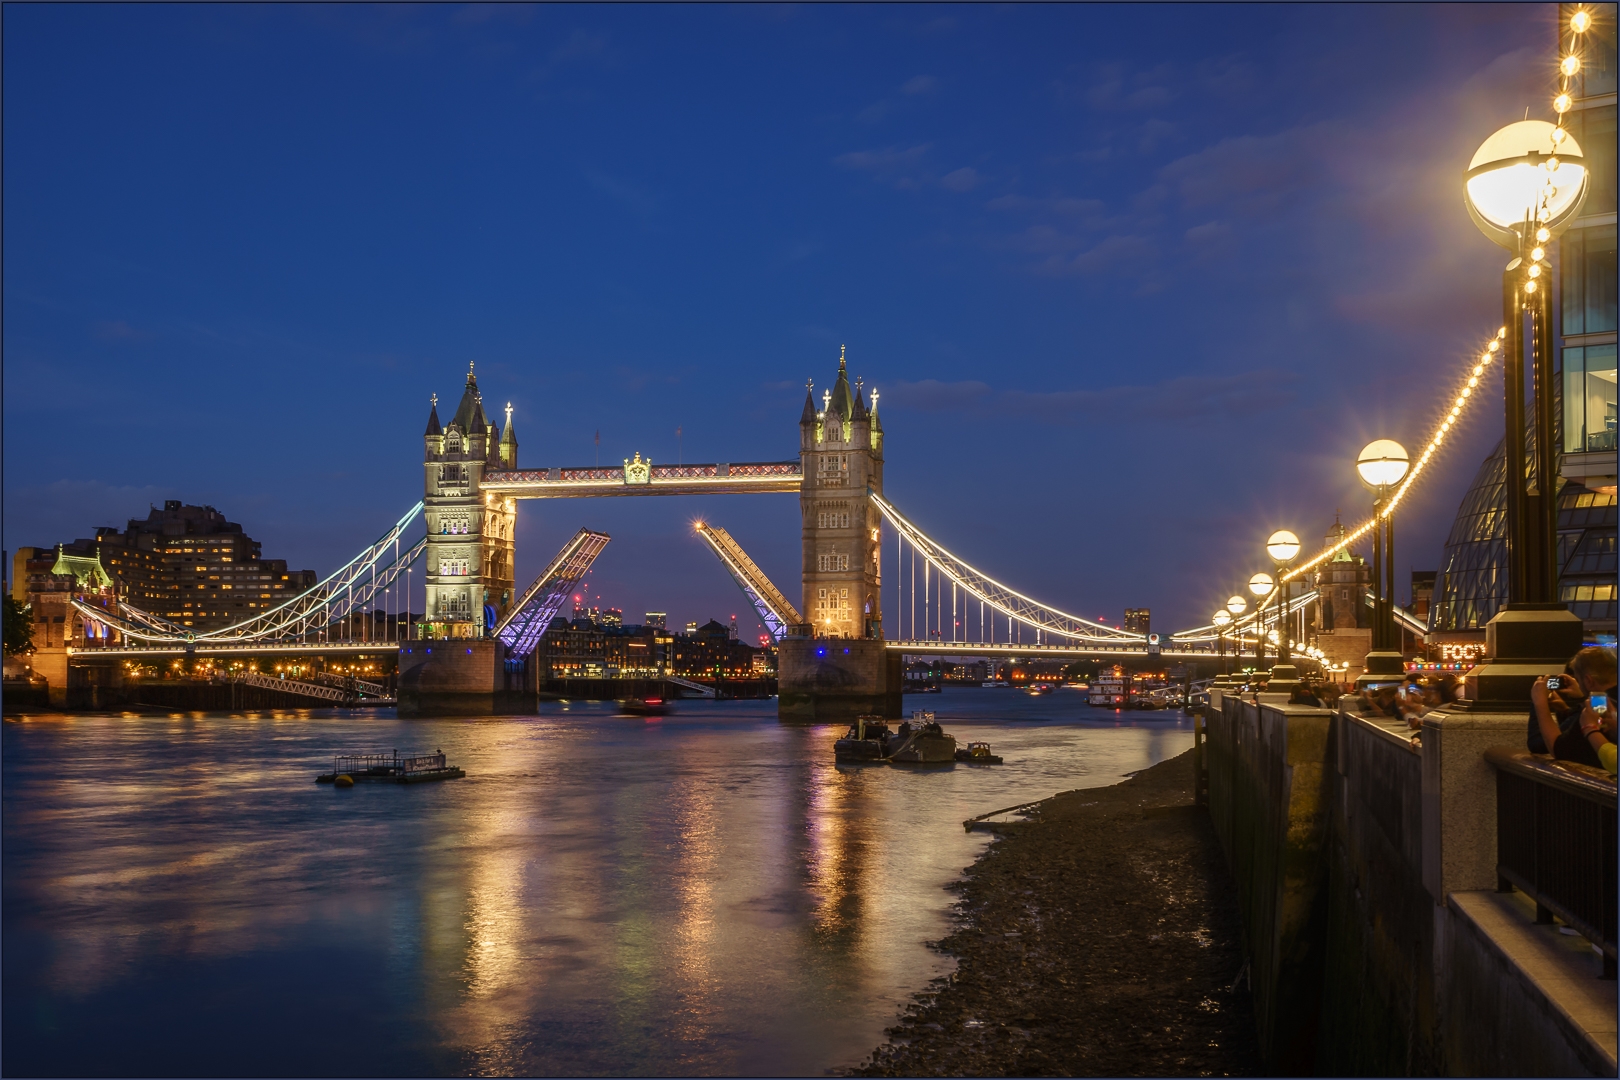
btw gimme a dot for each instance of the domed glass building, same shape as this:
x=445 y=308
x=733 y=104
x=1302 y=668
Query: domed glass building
x=1472 y=585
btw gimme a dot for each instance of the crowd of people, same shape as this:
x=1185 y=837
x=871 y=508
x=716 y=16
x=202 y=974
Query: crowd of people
x=1572 y=715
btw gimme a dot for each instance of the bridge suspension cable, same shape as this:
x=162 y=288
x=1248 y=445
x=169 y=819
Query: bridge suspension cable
x=529 y=618
x=352 y=589
x=774 y=609
x=968 y=584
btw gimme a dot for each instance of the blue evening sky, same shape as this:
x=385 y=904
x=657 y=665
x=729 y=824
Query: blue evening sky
x=1136 y=283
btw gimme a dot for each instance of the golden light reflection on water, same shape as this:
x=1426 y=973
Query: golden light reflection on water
x=703 y=896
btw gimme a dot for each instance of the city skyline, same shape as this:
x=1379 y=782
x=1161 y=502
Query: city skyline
x=1156 y=277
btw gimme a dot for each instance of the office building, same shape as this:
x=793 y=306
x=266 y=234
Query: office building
x=187 y=564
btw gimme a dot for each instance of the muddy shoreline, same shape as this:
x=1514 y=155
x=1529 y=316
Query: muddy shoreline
x=1100 y=937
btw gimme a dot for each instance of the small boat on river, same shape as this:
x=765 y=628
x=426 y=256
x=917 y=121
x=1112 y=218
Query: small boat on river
x=351 y=769
x=978 y=753
x=921 y=741
x=867 y=740
x=644 y=706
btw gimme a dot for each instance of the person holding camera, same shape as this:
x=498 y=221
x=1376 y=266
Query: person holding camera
x=1597 y=734
x=1563 y=705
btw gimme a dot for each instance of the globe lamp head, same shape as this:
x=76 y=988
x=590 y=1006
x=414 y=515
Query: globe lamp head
x=1262 y=584
x=1503 y=186
x=1382 y=463
x=1283 y=546
x=1236 y=605
x=1222 y=618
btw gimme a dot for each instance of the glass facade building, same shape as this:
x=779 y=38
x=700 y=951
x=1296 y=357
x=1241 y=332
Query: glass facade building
x=1587 y=286
x=1472 y=585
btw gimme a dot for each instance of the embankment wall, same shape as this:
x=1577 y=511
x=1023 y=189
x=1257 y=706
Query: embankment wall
x=1358 y=859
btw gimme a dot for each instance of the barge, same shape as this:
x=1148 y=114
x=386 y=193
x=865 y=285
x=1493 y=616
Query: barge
x=350 y=769
x=920 y=741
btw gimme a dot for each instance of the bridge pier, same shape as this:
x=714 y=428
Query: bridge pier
x=834 y=680
x=465 y=677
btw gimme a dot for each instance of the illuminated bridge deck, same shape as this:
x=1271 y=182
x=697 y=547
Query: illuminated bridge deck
x=644 y=478
x=1120 y=650
x=268 y=648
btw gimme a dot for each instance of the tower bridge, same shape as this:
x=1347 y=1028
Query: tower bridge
x=473 y=651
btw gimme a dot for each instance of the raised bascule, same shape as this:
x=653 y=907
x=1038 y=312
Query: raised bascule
x=474 y=650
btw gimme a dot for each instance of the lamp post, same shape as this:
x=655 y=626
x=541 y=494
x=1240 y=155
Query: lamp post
x=1523 y=187
x=1282 y=546
x=1235 y=607
x=1222 y=620
x=1381 y=464
x=1261 y=585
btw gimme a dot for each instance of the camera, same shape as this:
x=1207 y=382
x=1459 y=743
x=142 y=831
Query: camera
x=1558 y=682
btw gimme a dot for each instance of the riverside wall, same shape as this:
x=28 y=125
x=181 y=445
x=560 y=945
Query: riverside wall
x=1365 y=872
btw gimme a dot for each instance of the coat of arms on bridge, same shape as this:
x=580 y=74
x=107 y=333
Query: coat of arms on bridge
x=637 y=471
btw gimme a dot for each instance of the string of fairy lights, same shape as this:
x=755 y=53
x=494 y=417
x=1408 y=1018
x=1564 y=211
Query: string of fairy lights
x=1569 y=66
x=1448 y=421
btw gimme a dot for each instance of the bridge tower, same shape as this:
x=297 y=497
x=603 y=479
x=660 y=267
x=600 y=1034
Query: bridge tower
x=834 y=665
x=841 y=457
x=469 y=557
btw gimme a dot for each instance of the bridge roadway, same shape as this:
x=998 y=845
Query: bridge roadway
x=1072 y=652
x=909 y=648
x=644 y=478
x=280 y=648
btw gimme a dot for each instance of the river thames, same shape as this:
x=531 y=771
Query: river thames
x=702 y=893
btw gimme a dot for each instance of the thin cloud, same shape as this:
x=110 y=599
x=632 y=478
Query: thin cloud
x=962 y=180
x=919 y=84
x=891 y=163
x=1185 y=399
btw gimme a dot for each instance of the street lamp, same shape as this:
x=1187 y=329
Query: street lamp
x=1236 y=606
x=1222 y=619
x=1282 y=546
x=1381 y=464
x=1261 y=585
x=1523 y=187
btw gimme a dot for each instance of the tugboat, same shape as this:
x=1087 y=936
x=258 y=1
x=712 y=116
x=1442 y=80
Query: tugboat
x=921 y=741
x=651 y=706
x=978 y=753
x=867 y=740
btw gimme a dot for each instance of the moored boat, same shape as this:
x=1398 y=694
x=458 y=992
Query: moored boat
x=978 y=753
x=867 y=740
x=1109 y=691
x=921 y=741
x=389 y=769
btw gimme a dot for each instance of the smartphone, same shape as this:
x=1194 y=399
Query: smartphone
x=1600 y=702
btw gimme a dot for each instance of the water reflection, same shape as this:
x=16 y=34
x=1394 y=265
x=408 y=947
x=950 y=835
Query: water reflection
x=705 y=893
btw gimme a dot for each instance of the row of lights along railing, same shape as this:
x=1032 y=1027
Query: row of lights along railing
x=1524 y=186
